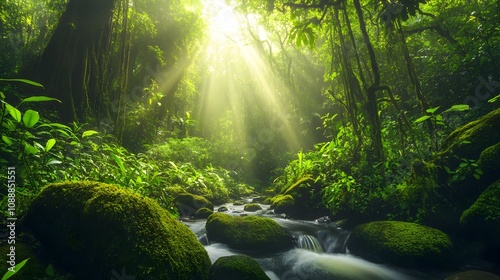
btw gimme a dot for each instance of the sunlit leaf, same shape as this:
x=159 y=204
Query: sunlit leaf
x=89 y=133
x=23 y=81
x=432 y=110
x=16 y=268
x=53 y=161
x=14 y=112
x=458 y=108
x=422 y=119
x=7 y=140
x=30 y=118
x=50 y=143
x=39 y=99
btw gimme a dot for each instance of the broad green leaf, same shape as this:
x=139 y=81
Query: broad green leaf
x=7 y=140
x=421 y=119
x=50 y=143
x=39 y=99
x=30 y=118
x=89 y=133
x=14 y=112
x=30 y=149
x=432 y=110
x=29 y=82
x=477 y=176
x=494 y=99
x=18 y=266
x=458 y=108
x=479 y=171
x=120 y=163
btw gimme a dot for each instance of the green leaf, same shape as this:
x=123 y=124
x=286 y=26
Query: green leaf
x=458 y=108
x=39 y=99
x=14 y=112
x=479 y=171
x=53 y=161
x=119 y=162
x=463 y=164
x=494 y=99
x=30 y=149
x=477 y=176
x=50 y=143
x=7 y=140
x=18 y=266
x=448 y=170
x=29 y=82
x=89 y=133
x=50 y=270
x=432 y=110
x=422 y=119
x=30 y=118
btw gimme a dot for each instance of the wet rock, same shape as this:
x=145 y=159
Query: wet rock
x=239 y=267
x=403 y=244
x=222 y=209
x=188 y=204
x=251 y=233
x=93 y=229
x=252 y=207
x=203 y=213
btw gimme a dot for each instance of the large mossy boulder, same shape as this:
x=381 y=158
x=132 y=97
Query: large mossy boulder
x=489 y=161
x=239 y=267
x=95 y=230
x=188 y=204
x=402 y=244
x=250 y=233
x=481 y=222
x=283 y=204
x=468 y=141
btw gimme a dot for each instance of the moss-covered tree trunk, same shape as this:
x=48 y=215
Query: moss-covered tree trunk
x=73 y=64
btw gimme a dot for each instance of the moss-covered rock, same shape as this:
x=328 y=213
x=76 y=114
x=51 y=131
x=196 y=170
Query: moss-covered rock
x=238 y=202
x=251 y=233
x=489 y=161
x=252 y=207
x=188 y=204
x=403 y=244
x=34 y=268
x=468 y=141
x=239 y=267
x=94 y=229
x=482 y=220
x=259 y=199
x=203 y=213
x=282 y=204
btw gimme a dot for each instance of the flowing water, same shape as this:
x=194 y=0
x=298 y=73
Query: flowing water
x=321 y=253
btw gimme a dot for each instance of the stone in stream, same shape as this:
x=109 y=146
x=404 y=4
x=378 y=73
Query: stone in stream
x=252 y=207
x=203 y=213
x=95 y=230
x=402 y=244
x=250 y=233
x=188 y=204
x=222 y=209
x=238 y=267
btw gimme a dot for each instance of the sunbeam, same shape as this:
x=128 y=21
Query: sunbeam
x=239 y=87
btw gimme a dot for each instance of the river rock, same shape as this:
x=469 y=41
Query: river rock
x=473 y=275
x=239 y=267
x=481 y=221
x=188 y=204
x=251 y=233
x=282 y=204
x=222 y=209
x=402 y=244
x=96 y=230
x=252 y=207
x=203 y=213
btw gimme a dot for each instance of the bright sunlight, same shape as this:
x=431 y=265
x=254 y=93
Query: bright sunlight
x=241 y=84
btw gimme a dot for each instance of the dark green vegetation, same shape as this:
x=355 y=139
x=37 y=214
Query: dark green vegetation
x=93 y=228
x=403 y=244
x=236 y=267
x=249 y=233
x=361 y=110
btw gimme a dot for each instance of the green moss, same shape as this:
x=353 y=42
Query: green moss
x=403 y=244
x=282 y=203
x=251 y=233
x=470 y=140
x=482 y=220
x=93 y=228
x=188 y=204
x=237 y=267
x=203 y=213
x=489 y=161
x=252 y=207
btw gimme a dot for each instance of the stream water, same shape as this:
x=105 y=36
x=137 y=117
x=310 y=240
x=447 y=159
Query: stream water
x=321 y=253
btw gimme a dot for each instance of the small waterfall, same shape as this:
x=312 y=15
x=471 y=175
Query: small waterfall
x=310 y=243
x=204 y=240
